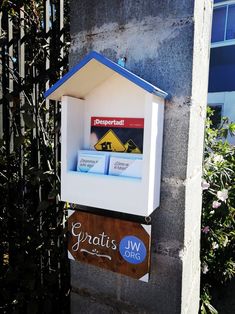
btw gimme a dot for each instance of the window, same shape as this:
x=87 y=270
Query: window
x=230 y=31
x=223 y=27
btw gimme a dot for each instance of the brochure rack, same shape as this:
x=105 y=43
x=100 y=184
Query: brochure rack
x=101 y=88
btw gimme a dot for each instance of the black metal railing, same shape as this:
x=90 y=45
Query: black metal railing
x=34 y=40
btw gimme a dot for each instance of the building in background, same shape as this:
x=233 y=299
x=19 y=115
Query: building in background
x=222 y=61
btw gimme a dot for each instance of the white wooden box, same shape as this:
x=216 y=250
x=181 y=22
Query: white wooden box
x=102 y=88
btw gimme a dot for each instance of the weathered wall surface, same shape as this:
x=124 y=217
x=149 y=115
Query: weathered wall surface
x=167 y=43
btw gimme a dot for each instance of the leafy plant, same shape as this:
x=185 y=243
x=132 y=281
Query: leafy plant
x=218 y=213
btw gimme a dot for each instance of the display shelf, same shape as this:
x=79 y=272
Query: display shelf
x=105 y=176
x=99 y=88
x=109 y=156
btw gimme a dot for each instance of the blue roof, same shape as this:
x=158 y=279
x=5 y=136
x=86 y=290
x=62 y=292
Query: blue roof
x=113 y=66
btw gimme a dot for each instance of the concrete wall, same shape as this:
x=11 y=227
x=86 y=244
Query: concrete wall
x=167 y=43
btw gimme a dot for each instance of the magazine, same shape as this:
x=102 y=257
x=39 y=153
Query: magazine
x=117 y=134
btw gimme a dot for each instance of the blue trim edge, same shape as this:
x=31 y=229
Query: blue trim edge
x=113 y=66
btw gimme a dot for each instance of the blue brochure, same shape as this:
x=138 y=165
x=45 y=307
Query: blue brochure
x=90 y=162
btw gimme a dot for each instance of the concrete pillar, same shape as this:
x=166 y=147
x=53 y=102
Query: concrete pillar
x=165 y=42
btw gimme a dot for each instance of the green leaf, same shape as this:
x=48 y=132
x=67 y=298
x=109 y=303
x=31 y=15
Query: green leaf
x=18 y=140
x=211 y=309
x=43 y=206
x=232 y=128
x=29 y=121
x=26 y=106
x=203 y=309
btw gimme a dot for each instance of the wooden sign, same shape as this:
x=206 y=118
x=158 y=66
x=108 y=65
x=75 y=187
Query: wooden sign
x=117 y=245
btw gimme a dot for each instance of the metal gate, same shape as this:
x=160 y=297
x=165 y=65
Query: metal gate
x=34 y=41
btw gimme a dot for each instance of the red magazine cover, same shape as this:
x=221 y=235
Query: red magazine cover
x=117 y=134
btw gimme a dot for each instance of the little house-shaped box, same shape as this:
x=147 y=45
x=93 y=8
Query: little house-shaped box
x=98 y=87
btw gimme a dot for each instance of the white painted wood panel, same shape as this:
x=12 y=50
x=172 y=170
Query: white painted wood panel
x=127 y=195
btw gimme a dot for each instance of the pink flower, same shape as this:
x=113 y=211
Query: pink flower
x=205 y=185
x=216 y=204
x=222 y=195
x=206 y=229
